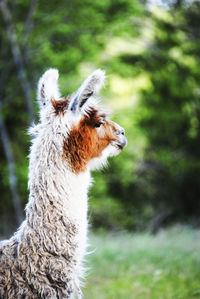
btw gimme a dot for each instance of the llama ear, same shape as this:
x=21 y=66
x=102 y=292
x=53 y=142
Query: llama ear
x=89 y=87
x=48 y=87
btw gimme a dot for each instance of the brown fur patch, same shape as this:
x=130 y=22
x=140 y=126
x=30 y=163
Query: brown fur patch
x=84 y=142
x=60 y=106
x=94 y=118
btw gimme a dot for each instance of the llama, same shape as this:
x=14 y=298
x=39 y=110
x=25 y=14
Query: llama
x=44 y=258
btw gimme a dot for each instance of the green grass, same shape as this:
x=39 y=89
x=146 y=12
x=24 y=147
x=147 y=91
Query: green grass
x=128 y=266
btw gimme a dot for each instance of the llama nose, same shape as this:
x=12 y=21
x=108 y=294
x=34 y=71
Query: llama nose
x=124 y=141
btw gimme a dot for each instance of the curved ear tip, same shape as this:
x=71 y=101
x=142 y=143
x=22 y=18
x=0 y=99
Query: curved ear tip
x=100 y=76
x=51 y=73
x=99 y=73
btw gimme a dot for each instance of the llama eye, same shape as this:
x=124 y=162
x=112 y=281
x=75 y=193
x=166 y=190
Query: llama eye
x=98 y=125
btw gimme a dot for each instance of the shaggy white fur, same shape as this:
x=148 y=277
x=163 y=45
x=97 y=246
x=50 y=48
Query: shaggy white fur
x=43 y=259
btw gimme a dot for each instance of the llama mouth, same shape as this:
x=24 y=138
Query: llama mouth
x=121 y=145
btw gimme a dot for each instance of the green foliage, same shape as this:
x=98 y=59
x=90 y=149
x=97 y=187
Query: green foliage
x=172 y=121
x=152 y=64
x=68 y=35
x=159 y=182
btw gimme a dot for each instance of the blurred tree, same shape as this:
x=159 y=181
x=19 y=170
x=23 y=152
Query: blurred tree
x=172 y=120
x=152 y=62
x=161 y=184
x=168 y=175
x=37 y=35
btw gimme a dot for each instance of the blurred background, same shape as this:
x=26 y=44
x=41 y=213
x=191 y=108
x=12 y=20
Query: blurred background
x=151 y=53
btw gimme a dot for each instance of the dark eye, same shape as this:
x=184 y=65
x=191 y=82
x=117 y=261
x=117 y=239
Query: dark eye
x=97 y=125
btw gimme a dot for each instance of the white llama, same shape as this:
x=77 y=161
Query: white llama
x=43 y=259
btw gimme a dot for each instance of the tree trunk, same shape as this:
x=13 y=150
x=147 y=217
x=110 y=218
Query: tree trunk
x=17 y=56
x=11 y=169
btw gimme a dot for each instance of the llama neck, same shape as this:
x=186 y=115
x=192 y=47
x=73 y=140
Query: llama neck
x=54 y=188
x=56 y=214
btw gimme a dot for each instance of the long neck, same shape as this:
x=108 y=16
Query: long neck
x=55 y=191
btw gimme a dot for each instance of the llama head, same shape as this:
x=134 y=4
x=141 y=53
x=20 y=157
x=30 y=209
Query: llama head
x=85 y=134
